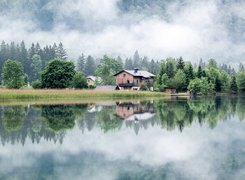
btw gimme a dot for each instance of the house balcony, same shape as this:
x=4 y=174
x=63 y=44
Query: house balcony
x=128 y=85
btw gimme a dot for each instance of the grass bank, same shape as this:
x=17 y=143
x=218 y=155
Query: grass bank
x=7 y=95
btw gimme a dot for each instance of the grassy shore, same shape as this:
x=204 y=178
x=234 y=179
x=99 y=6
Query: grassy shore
x=47 y=95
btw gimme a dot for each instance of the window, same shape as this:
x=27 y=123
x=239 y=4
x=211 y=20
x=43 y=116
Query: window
x=124 y=75
x=128 y=81
x=137 y=81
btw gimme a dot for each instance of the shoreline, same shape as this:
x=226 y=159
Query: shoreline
x=51 y=95
x=72 y=96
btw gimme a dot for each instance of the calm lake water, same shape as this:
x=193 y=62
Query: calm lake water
x=155 y=139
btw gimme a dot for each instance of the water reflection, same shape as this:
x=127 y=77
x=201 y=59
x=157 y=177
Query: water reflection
x=160 y=139
x=51 y=122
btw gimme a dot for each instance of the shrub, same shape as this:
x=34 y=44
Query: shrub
x=91 y=87
x=80 y=81
x=36 y=85
x=144 y=87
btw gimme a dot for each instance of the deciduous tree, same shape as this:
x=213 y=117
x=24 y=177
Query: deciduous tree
x=13 y=74
x=58 y=74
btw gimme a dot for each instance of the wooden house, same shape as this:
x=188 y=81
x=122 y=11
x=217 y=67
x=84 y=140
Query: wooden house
x=134 y=79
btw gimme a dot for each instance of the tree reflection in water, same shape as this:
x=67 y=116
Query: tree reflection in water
x=51 y=122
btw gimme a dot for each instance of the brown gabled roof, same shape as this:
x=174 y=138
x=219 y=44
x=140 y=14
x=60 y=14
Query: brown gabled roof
x=138 y=73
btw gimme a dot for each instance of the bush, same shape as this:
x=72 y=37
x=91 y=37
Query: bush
x=36 y=85
x=144 y=87
x=79 y=81
x=91 y=87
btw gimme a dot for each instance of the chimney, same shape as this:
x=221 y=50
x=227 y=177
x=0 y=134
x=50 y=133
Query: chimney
x=136 y=70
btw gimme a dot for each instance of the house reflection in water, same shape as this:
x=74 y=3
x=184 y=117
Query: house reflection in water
x=136 y=114
x=135 y=111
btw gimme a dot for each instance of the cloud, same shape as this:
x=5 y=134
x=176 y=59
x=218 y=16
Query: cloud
x=197 y=29
x=196 y=153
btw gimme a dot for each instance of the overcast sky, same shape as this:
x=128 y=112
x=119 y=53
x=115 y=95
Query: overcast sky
x=194 y=29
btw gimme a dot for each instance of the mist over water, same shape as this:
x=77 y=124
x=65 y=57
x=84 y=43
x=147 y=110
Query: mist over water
x=155 y=139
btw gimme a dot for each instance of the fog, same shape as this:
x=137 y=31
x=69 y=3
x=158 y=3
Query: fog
x=192 y=29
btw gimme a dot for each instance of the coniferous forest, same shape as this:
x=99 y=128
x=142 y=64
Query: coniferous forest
x=22 y=66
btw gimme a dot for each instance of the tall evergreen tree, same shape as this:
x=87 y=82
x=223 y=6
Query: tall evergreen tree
x=233 y=86
x=199 y=72
x=119 y=59
x=202 y=64
x=90 y=66
x=3 y=51
x=170 y=68
x=31 y=51
x=212 y=63
x=136 y=59
x=23 y=58
x=217 y=85
x=128 y=64
x=81 y=63
x=145 y=63
x=61 y=52
x=13 y=51
x=189 y=72
x=161 y=73
x=180 y=63
x=37 y=49
x=241 y=67
x=55 y=49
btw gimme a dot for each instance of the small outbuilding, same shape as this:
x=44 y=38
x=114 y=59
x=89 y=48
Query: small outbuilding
x=91 y=80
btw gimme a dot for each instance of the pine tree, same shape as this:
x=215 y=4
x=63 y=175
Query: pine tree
x=81 y=63
x=233 y=85
x=152 y=66
x=61 y=52
x=37 y=49
x=136 y=59
x=90 y=66
x=170 y=68
x=189 y=73
x=31 y=51
x=161 y=73
x=13 y=51
x=199 y=72
x=3 y=51
x=218 y=85
x=202 y=64
x=119 y=59
x=180 y=63
x=241 y=67
x=128 y=64
x=24 y=57
x=55 y=49
x=144 y=63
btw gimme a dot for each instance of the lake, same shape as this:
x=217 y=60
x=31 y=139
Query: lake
x=200 y=138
